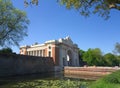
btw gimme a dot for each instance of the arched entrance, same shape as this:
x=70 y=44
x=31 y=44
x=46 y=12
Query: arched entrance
x=69 y=58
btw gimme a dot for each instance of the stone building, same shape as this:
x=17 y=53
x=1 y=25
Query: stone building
x=63 y=51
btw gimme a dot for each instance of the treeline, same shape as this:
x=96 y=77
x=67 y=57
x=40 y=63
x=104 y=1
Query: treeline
x=95 y=57
x=6 y=51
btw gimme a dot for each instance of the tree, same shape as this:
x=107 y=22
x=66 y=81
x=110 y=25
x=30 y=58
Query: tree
x=86 y=7
x=93 y=57
x=117 y=48
x=13 y=24
x=6 y=50
x=81 y=53
x=26 y=2
x=111 y=60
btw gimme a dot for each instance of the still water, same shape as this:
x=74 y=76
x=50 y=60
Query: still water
x=49 y=80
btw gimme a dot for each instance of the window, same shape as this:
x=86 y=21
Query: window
x=49 y=47
x=49 y=54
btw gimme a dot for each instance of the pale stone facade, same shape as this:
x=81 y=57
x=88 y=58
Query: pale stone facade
x=63 y=51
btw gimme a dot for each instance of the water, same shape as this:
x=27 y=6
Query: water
x=49 y=80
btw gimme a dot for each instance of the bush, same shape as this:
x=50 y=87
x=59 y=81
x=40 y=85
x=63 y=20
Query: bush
x=6 y=51
x=109 y=81
x=113 y=78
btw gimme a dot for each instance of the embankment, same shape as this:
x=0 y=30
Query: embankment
x=88 y=72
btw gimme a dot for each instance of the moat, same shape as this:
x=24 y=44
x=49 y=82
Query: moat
x=48 y=80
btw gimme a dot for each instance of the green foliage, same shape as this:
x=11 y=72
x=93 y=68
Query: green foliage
x=93 y=57
x=81 y=62
x=27 y=2
x=109 y=81
x=86 y=7
x=49 y=84
x=6 y=50
x=113 y=78
x=13 y=24
x=111 y=60
x=102 y=84
x=117 y=48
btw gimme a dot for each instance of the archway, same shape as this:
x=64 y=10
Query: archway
x=69 y=58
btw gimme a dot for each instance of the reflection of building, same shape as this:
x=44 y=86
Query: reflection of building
x=63 y=51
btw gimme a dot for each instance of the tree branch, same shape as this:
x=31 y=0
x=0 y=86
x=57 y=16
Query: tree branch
x=11 y=29
x=114 y=6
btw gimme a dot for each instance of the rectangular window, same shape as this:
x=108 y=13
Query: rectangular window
x=49 y=54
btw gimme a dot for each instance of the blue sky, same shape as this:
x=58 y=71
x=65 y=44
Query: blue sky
x=50 y=21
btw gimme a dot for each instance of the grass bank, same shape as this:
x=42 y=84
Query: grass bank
x=109 y=81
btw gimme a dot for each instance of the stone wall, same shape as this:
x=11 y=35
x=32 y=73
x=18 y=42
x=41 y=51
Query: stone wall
x=12 y=64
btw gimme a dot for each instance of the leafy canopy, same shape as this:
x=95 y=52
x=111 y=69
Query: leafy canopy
x=86 y=7
x=117 y=48
x=6 y=50
x=13 y=24
x=95 y=57
x=111 y=59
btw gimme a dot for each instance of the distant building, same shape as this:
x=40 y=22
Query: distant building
x=63 y=51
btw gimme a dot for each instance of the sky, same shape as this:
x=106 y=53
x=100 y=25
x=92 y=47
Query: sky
x=49 y=20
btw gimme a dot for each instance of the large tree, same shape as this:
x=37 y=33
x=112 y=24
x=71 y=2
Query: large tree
x=111 y=60
x=13 y=24
x=93 y=57
x=86 y=7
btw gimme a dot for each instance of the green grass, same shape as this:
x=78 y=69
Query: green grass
x=109 y=81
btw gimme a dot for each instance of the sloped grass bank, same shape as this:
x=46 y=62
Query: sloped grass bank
x=109 y=81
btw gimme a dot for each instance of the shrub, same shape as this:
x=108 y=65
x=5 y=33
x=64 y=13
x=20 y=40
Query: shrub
x=113 y=78
x=109 y=81
x=6 y=51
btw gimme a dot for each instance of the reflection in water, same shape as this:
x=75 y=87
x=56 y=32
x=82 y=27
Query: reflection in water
x=29 y=77
x=5 y=82
x=84 y=77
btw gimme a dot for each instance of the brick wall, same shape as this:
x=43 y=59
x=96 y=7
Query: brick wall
x=88 y=72
x=21 y=64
